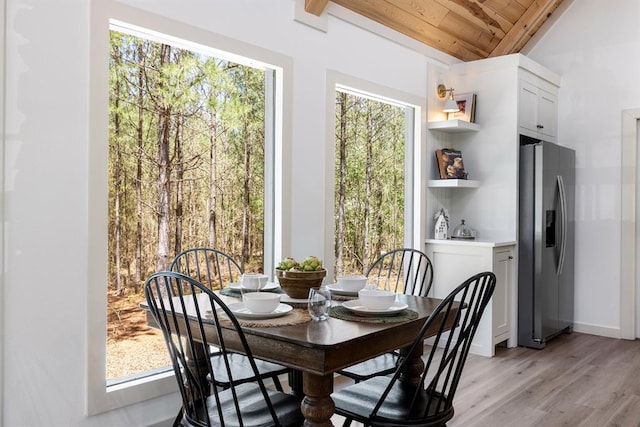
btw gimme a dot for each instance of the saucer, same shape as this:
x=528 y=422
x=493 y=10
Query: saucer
x=270 y=286
x=241 y=312
x=334 y=288
x=357 y=307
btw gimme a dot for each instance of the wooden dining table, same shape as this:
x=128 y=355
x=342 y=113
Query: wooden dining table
x=316 y=350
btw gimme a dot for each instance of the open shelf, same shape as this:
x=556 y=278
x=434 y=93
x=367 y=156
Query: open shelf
x=453 y=126
x=454 y=183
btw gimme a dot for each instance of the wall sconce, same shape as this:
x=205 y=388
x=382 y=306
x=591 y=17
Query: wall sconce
x=450 y=106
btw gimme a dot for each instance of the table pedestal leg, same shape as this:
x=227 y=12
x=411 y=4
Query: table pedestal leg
x=317 y=405
x=295 y=382
x=197 y=356
x=414 y=367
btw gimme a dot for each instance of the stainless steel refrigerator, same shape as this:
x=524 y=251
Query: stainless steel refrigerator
x=545 y=241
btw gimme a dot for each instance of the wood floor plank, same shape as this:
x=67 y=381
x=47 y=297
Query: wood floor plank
x=577 y=380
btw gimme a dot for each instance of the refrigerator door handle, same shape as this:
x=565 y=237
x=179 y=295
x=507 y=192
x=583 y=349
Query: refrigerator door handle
x=563 y=224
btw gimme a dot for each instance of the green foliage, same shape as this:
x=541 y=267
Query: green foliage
x=216 y=154
x=370 y=161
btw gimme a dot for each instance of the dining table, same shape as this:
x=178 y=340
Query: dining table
x=316 y=350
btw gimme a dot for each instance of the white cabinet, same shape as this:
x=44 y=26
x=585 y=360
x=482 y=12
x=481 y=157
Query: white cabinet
x=455 y=261
x=491 y=153
x=538 y=110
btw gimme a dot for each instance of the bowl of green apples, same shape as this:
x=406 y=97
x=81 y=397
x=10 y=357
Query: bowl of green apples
x=297 y=278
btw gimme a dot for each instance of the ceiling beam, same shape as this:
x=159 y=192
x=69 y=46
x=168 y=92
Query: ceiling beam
x=526 y=27
x=419 y=24
x=315 y=7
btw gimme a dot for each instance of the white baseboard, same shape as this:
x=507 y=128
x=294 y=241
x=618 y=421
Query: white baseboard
x=604 y=331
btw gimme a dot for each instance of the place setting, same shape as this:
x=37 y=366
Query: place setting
x=234 y=289
x=260 y=305
x=347 y=287
x=373 y=304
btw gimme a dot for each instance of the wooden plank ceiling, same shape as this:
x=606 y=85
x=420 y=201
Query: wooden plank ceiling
x=465 y=29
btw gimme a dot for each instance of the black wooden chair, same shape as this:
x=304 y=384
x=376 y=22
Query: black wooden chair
x=170 y=295
x=215 y=268
x=402 y=270
x=209 y=266
x=390 y=401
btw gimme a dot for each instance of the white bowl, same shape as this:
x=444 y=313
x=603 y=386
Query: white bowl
x=376 y=299
x=261 y=302
x=352 y=283
x=253 y=280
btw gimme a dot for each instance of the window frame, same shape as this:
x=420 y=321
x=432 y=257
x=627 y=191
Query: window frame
x=106 y=15
x=415 y=133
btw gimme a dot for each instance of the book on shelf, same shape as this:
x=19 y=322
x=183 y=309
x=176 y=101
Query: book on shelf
x=450 y=164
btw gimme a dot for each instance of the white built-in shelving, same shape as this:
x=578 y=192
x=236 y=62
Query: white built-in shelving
x=453 y=126
x=453 y=183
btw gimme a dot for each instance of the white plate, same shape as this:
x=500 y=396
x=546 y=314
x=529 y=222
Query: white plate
x=333 y=287
x=287 y=299
x=357 y=307
x=270 y=286
x=242 y=312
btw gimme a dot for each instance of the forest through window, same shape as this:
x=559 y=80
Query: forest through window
x=189 y=146
x=186 y=169
x=369 y=180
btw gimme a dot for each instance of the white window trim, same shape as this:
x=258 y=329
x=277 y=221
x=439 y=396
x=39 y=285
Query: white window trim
x=415 y=171
x=101 y=398
x=2 y=148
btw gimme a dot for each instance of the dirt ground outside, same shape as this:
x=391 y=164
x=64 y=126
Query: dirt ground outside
x=132 y=347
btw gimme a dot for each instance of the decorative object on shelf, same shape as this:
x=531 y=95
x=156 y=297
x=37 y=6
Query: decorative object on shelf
x=450 y=105
x=442 y=224
x=463 y=232
x=450 y=164
x=466 y=103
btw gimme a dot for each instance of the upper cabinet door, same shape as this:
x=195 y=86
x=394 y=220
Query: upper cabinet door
x=547 y=114
x=537 y=112
x=528 y=108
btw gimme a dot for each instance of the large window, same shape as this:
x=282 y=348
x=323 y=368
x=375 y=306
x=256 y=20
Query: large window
x=194 y=138
x=373 y=188
x=369 y=179
x=186 y=168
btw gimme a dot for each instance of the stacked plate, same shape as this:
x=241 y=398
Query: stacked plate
x=242 y=312
x=270 y=286
x=357 y=307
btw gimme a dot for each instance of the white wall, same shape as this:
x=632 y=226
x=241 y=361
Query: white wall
x=595 y=47
x=46 y=170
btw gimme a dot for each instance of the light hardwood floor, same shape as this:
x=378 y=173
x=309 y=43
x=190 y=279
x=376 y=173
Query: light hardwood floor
x=577 y=380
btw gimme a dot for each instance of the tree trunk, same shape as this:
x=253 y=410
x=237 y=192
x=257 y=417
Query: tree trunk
x=117 y=180
x=213 y=137
x=246 y=199
x=179 y=162
x=139 y=154
x=367 y=187
x=164 y=116
x=342 y=162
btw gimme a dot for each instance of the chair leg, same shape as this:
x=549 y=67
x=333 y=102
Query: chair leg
x=347 y=422
x=178 y=421
x=276 y=383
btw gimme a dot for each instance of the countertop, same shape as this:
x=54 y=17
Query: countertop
x=475 y=242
